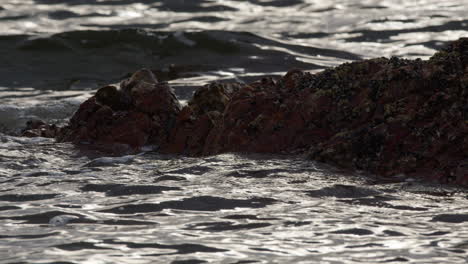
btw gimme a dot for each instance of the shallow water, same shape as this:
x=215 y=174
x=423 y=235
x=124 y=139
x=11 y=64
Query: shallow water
x=60 y=203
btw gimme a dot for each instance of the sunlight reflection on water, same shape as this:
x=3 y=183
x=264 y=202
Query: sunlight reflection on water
x=228 y=208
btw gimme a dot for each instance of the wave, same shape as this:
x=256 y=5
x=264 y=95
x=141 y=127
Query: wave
x=101 y=56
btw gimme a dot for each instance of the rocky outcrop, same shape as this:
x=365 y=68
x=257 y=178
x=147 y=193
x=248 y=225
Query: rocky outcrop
x=385 y=116
x=198 y=119
x=120 y=118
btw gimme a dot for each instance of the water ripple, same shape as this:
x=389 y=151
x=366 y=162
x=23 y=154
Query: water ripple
x=228 y=208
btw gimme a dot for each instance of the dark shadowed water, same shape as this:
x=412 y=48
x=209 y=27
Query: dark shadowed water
x=62 y=204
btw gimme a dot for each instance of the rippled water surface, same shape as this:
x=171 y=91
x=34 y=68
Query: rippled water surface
x=63 y=204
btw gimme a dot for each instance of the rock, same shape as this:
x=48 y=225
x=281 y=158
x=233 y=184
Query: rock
x=141 y=111
x=38 y=128
x=385 y=116
x=111 y=96
x=198 y=118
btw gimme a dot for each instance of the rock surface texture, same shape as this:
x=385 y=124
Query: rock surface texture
x=140 y=111
x=385 y=116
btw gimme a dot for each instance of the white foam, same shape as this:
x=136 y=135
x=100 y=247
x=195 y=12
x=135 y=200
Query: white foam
x=179 y=35
x=15 y=114
x=12 y=141
x=109 y=161
x=61 y=220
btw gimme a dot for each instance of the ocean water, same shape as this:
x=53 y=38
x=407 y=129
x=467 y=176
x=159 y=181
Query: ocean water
x=63 y=204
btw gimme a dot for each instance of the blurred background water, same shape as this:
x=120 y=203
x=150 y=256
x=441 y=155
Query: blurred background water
x=230 y=208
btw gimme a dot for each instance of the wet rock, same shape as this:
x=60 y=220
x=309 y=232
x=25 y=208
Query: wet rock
x=38 y=128
x=140 y=111
x=404 y=117
x=386 y=116
x=198 y=118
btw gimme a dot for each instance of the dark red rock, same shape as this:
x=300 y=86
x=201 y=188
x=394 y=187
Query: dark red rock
x=385 y=116
x=38 y=128
x=139 y=112
x=390 y=117
x=197 y=119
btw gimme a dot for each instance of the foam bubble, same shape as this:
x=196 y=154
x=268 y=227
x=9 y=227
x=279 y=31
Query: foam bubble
x=14 y=115
x=61 y=220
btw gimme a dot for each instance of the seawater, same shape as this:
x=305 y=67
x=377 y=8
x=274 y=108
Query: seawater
x=65 y=204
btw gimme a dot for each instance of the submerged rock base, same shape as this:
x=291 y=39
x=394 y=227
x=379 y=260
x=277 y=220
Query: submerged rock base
x=385 y=116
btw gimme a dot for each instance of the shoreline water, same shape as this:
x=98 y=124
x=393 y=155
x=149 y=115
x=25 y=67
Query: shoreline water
x=225 y=208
